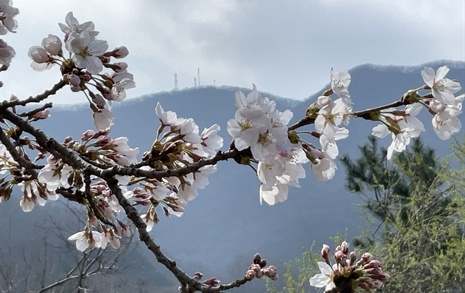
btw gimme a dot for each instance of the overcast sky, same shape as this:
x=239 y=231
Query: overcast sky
x=284 y=47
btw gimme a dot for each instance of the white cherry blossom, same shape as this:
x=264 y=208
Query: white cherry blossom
x=167 y=118
x=246 y=127
x=52 y=44
x=6 y=53
x=87 y=51
x=324 y=278
x=324 y=169
x=442 y=88
x=55 y=174
x=278 y=174
x=402 y=128
x=86 y=239
x=445 y=121
x=103 y=119
x=72 y=26
x=123 y=154
x=211 y=141
x=8 y=13
x=5 y=159
x=110 y=237
x=328 y=140
x=331 y=116
x=339 y=84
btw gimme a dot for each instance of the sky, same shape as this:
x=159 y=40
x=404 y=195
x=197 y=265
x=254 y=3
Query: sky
x=284 y=47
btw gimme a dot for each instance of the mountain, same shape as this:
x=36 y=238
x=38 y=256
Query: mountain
x=225 y=225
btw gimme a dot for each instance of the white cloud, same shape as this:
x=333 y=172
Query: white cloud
x=286 y=48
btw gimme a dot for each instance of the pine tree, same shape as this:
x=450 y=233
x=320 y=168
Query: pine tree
x=420 y=206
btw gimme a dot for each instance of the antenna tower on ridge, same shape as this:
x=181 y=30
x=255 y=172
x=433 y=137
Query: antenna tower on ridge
x=175 y=81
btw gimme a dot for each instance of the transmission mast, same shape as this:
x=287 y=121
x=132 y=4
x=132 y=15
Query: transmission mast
x=175 y=81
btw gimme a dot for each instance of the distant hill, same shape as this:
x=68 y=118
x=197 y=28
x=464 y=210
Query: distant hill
x=222 y=229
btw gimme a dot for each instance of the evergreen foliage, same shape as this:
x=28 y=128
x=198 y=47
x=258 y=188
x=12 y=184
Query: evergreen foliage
x=418 y=203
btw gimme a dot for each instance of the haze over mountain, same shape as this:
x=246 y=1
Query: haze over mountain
x=225 y=225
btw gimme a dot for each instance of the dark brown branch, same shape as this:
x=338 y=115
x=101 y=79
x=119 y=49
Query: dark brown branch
x=365 y=114
x=28 y=165
x=37 y=110
x=36 y=99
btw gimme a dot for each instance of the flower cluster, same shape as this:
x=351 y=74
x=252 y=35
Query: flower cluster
x=8 y=23
x=279 y=152
x=441 y=103
x=258 y=125
x=346 y=275
x=259 y=269
x=92 y=239
x=179 y=144
x=83 y=69
x=329 y=115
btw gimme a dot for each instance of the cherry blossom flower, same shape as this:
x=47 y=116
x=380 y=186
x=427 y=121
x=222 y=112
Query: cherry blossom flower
x=211 y=141
x=87 y=51
x=258 y=125
x=324 y=278
x=246 y=127
x=331 y=116
x=40 y=58
x=5 y=159
x=445 y=121
x=72 y=26
x=339 y=84
x=86 y=239
x=167 y=118
x=52 y=44
x=6 y=53
x=149 y=219
x=328 y=140
x=442 y=88
x=188 y=130
x=118 y=90
x=278 y=174
x=55 y=174
x=103 y=119
x=402 y=128
x=324 y=169
x=110 y=237
x=7 y=17
x=35 y=192
x=120 y=151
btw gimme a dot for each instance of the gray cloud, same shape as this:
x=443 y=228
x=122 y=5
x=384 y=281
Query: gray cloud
x=286 y=48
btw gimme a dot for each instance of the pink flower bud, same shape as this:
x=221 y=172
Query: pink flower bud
x=52 y=44
x=345 y=247
x=323 y=101
x=250 y=274
x=198 y=276
x=120 y=52
x=38 y=54
x=212 y=282
x=88 y=134
x=366 y=257
x=74 y=80
x=120 y=66
x=325 y=251
x=352 y=257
